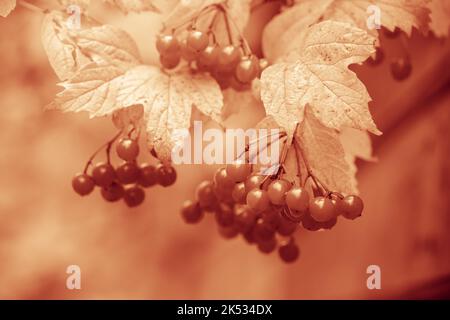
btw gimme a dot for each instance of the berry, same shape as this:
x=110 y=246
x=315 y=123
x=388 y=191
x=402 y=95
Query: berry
x=127 y=173
x=191 y=212
x=223 y=194
x=297 y=199
x=271 y=217
x=147 y=176
x=328 y=224
x=286 y=227
x=127 y=149
x=167 y=44
x=258 y=200
x=247 y=69
x=378 y=59
x=83 y=184
x=186 y=52
x=170 y=61
x=263 y=64
x=113 y=192
x=208 y=57
x=103 y=174
x=277 y=190
x=289 y=251
x=401 y=69
x=263 y=231
x=166 y=175
x=267 y=246
x=321 y=209
x=238 y=194
x=205 y=194
x=197 y=40
x=352 y=207
x=224 y=216
x=134 y=196
x=293 y=215
x=228 y=232
x=222 y=181
x=310 y=224
x=253 y=181
x=244 y=218
x=238 y=171
x=238 y=85
x=228 y=58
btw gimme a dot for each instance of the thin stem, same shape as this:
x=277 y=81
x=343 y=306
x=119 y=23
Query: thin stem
x=244 y=43
x=227 y=25
x=108 y=146
x=32 y=7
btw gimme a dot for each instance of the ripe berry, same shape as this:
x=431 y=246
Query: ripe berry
x=191 y=212
x=258 y=200
x=297 y=199
x=127 y=173
x=113 y=192
x=321 y=209
x=310 y=224
x=170 y=61
x=238 y=171
x=127 y=149
x=263 y=231
x=245 y=218
x=187 y=53
x=134 y=196
x=228 y=58
x=103 y=174
x=289 y=252
x=167 y=44
x=228 y=232
x=277 y=190
x=208 y=57
x=401 y=69
x=197 y=40
x=352 y=207
x=253 y=181
x=83 y=184
x=267 y=246
x=238 y=194
x=238 y=85
x=328 y=224
x=147 y=176
x=205 y=194
x=222 y=181
x=166 y=175
x=247 y=69
x=286 y=227
x=224 y=216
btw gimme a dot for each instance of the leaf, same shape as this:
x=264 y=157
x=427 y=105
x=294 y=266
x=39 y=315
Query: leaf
x=440 y=17
x=127 y=6
x=83 y=4
x=357 y=144
x=320 y=77
x=6 y=6
x=325 y=155
x=287 y=29
x=68 y=50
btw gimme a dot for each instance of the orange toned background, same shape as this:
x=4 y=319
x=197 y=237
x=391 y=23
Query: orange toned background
x=149 y=253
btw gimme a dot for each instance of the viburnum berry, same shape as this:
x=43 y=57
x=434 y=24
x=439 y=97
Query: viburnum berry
x=187 y=53
x=113 y=192
x=277 y=191
x=222 y=180
x=309 y=223
x=127 y=149
x=228 y=232
x=239 y=194
x=228 y=58
x=238 y=171
x=263 y=230
x=166 y=175
x=134 y=196
x=289 y=251
x=286 y=227
x=191 y=212
x=205 y=195
x=127 y=173
x=247 y=69
x=197 y=40
x=245 y=218
x=224 y=215
x=328 y=224
x=297 y=199
x=352 y=207
x=208 y=56
x=238 y=85
x=103 y=174
x=272 y=217
x=170 y=61
x=147 y=175
x=321 y=209
x=258 y=200
x=401 y=68
x=83 y=184
x=167 y=44
x=267 y=246
x=254 y=181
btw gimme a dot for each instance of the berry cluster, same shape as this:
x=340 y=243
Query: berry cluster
x=266 y=210
x=231 y=65
x=125 y=181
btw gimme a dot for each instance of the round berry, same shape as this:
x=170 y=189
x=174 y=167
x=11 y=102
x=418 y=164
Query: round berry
x=224 y=216
x=228 y=232
x=187 y=53
x=321 y=209
x=297 y=199
x=263 y=231
x=238 y=194
x=208 y=57
x=351 y=207
x=222 y=180
x=166 y=175
x=258 y=200
x=167 y=44
x=254 y=181
x=245 y=218
x=238 y=85
x=228 y=58
x=289 y=252
x=205 y=194
x=103 y=174
x=286 y=227
x=271 y=217
x=247 y=69
x=191 y=212
x=277 y=191
x=401 y=69
x=267 y=246
x=238 y=171
x=127 y=173
x=134 y=196
x=197 y=40
x=170 y=61
x=328 y=224
x=113 y=192
x=83 y=184
x=127 y=149
x=147 y=175
x=310 y=224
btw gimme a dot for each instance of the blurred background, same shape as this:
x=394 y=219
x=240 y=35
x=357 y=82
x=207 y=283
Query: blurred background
x=150 y=253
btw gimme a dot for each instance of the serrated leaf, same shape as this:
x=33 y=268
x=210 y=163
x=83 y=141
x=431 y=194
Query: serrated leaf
x=6 y=7
x=325 y=155
x=127 y=6
x=320 y=77
x=440 y=17
x=287 y=29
